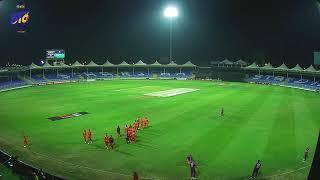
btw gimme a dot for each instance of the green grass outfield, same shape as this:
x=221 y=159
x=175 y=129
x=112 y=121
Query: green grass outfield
x=270 y=123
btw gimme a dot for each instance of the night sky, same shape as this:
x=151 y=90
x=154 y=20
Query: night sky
x=280 y=30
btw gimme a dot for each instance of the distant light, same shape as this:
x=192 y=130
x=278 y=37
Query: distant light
x=171 y=12
x=41 y=62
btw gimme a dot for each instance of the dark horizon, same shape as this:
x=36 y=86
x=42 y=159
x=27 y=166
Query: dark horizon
x=286 y=31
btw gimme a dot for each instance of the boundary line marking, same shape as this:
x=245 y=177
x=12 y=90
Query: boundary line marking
x=281 y=174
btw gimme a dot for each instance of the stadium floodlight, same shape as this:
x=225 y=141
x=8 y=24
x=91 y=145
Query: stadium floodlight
x=170 y=12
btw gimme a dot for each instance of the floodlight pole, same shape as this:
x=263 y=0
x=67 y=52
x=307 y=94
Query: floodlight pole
x=170 y=39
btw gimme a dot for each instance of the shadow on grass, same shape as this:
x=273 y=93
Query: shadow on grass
x=145 y=146
x=123 y=152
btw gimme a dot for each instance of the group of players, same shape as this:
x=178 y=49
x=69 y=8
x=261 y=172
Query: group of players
x=142 y=123
x=131 y=133
x=84 y=134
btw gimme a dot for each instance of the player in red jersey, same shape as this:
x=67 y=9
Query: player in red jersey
x=106 y=141
x=84 y=134
x=136 y=125
x=89 y=137
x=139 y=122
x=134 y=137
x=25 y=141
x=130 y=133
x=145 y=122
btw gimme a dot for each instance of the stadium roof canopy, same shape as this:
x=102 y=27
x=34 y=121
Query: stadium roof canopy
x=253 y=66
x=311 y=69
x=283 y=67
x=140 y=64
x=92 y=64
x=156 y=64
x=34 y=66
x=124 y=64
x=241 y=62
x=297 y=68
x=267 y=67
x=188 y=64
x=108 y=64
x=61 y=65
x=171 y=64
x=226 y=61
x=77 y=64
x=47 y=66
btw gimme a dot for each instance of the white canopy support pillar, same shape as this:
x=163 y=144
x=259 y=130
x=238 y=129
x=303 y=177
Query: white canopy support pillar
x=164 y=70
x=273 y=73
x=300 y=76
x=314 y=78
x=132 y=70
x=148 y=71
x=57 y=72
x=72 y=72
x=287 y=75
x=102 y=69
x=117 y=71
x=180 y=70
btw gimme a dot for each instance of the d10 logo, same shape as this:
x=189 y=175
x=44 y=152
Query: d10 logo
x=20 y=20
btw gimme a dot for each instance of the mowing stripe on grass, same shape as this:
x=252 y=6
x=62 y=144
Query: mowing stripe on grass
x=285 y=173
x=126 y=89
x=171 y=92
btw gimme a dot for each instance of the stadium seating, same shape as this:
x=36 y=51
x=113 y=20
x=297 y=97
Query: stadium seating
x=38 y=79
x=182 y=75
x=11 y=84
x=89 y=75
x=103 y=75
x=136 y=75
x=288 y=82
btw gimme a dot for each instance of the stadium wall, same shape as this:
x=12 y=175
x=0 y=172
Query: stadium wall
x=314 y=171
x=21 y=169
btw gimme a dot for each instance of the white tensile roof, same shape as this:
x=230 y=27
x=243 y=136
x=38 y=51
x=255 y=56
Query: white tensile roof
x=156 y=64
x=241 y=62
x=92 y=64
x=46 y=65
x=188 y=64
x=311 y=69
x=283 y=67
x=107 y=64
x=297 y=68
x=34 y=66
x=77 y=64
x=140 y=63
x=268 y=66
x=227 y=62
x=252 y=66
x=124 y=64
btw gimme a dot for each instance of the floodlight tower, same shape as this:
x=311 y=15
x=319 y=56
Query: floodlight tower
x=170 y=12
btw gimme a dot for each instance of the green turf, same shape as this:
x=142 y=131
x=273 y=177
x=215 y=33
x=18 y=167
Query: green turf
x=270 y=123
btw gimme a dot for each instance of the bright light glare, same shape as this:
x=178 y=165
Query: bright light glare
x=170 y=12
